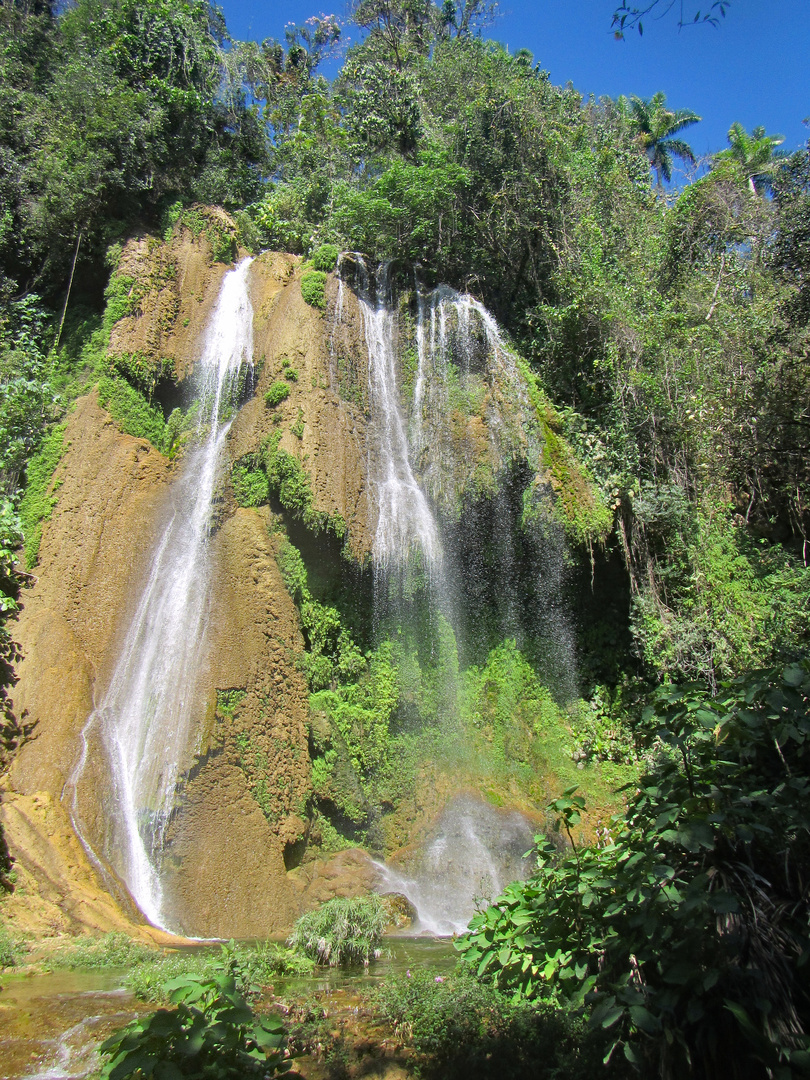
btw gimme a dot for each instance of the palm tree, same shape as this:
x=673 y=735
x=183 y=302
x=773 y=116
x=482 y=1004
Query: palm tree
x=654 y=126
x=756 y=154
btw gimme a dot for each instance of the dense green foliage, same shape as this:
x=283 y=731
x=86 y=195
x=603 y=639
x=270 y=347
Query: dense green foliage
x=342 y=931
x=463 y=1030
x=684 y=930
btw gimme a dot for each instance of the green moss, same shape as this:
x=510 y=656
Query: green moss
x=142 y=371
x=39 y=499
x=277 y=393
x=313 y=288
x=325 y=257
x=122 y=295
x=579 y=506
x=132 y=413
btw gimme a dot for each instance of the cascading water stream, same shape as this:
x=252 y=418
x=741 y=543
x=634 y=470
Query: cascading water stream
x=405 y=523
x=146 y=718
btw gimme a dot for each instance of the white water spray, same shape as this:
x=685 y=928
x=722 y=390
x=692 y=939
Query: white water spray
x=475 y=852
x=146 y=720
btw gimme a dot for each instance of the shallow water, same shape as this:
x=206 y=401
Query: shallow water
x=52 y=1024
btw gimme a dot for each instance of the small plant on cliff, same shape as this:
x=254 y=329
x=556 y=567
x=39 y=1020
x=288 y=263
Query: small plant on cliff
x=313 y=288
x=342 y=931
x=277 y=393
x=250 y=486
x=212 y=1032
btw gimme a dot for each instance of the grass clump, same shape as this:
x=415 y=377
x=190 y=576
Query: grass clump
x=313 y=288
x=324 y=257
x=113 y=950
x=277 y=393
x=39 y=500
x=342 y=931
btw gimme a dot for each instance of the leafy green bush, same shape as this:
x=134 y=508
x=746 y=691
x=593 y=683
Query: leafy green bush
x=37 y=505
x=684 y=932
x=277 y=393
x=325 y=257
x=313 y=288
x=130 y=410
x=211 y=1033
x=342 y=931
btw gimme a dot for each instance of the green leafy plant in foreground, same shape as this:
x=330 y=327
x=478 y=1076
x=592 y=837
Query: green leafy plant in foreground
x=342 y=931
x=685 y=933
x=212 y=1032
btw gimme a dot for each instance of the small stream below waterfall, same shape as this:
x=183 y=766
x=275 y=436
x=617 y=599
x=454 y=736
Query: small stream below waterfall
x=52 y=1023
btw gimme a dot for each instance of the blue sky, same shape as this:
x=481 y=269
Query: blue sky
x=755 y=68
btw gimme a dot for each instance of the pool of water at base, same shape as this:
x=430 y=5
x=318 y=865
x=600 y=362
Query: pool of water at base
x=53 y=1023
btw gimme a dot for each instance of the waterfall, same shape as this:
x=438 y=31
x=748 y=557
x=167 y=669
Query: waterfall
x=405 y=524
x=146 y=719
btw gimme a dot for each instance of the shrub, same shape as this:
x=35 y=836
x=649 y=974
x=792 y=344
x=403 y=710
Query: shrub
x=685 y=932
x=325 y=257
x=250 y=965
x=212 y=1032
x=342 y=931
x=313 y=288
x=277 y=393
